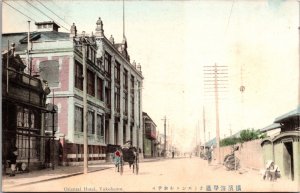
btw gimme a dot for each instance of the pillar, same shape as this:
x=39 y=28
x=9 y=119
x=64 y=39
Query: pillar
x=112 y=107
x=129 y=106
x=120 y=129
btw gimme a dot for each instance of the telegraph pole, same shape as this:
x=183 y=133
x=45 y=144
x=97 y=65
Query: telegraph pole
x=242 y=90
x=29 y=94
x=165 y=134
x=216 y=74
x=199 y=144
x=28 y=48
x=196 y=128
x=299 y=59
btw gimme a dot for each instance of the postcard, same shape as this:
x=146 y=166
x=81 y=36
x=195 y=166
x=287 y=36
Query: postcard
x=150 y=96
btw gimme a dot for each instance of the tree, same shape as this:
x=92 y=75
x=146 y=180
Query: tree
x=245 y=135
x=251 y=134
x=229 y=141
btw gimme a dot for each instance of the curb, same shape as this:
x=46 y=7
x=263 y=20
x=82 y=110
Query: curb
x=72 y=174
x=56 y=178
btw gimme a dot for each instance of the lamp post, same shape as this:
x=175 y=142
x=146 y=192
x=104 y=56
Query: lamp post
x=165 y=136
x=53 y=131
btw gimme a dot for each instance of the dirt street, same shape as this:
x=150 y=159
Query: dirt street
x=186 y=174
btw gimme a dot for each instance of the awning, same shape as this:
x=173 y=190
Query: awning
x=270 y=127
x=292 y=114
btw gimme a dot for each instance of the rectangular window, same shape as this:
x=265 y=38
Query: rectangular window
x=78 y=125
x=99 y=124
x=91 y=123
x=125 y=79
x=107 y=94
x=90 y=83
x=20 y=120
x=99 y=88
x=117 y=99
x=93 y=56
x=125 y=103
x=107 y=63
x=102 y=126
x=132 y=84
x=117 y=73
x=124 y=133
x=88 y=52
x=25 y=118
x=132 y=106
x=78 y=75
x=99 y=62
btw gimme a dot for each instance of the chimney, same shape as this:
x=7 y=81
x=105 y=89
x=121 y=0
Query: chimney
x=73 y=31
x=47 y=26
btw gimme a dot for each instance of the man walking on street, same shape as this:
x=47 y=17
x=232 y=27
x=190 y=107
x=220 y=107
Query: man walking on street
x=13 y=154
x=209 y=155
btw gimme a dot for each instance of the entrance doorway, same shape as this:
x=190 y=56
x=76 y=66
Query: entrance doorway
x=106 y=131
x=288 y=160
x=116 y=137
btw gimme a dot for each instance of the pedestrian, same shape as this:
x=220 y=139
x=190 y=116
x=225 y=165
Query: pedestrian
x=272 y=171
x=173 y=153
x=117 y=158
x=12 y=156
x=209 y=155
x=47 y=153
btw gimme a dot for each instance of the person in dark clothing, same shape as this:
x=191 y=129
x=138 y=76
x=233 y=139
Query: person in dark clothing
x=209 y=155
x=47 y=153
x=12 y=157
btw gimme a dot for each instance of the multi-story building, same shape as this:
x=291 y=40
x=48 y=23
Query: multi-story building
x=150 y=144
x=113 y=87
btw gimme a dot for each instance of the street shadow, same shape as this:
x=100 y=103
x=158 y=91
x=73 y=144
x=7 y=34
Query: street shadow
x=144 y=173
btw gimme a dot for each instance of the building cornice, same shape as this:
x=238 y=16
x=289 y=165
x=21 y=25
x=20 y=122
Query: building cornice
x=121 y=56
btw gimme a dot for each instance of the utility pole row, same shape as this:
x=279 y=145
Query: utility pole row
x=165 y=136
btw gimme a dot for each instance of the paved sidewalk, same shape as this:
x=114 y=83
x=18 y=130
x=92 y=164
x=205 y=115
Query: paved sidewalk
x=47 y=174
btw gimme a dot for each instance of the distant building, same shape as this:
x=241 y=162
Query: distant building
x=160 y=146
x=212 y=142
x=113 y=87
x=149 y=137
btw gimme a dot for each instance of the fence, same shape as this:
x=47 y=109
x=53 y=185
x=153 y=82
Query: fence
x=250 y=154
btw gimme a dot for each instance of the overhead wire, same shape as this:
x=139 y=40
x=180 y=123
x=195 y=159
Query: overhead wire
x=28 y=11
x=45 y=14
x=54 y=13
x=19 y=11
x=229 y=16
x=54 y=4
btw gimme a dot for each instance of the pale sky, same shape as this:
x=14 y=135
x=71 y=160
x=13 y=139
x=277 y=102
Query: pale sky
x=173 y=40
